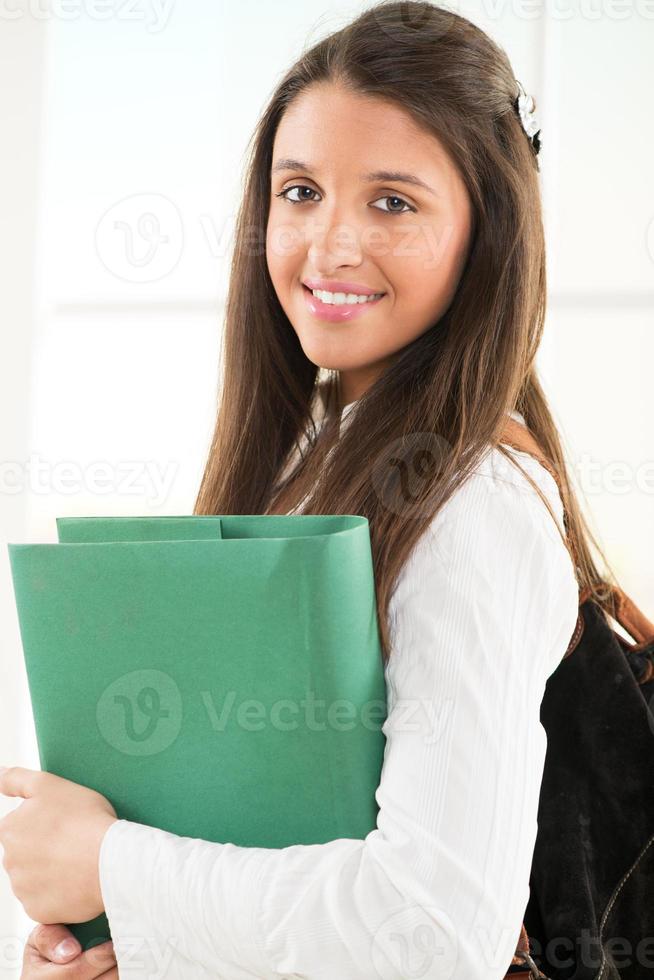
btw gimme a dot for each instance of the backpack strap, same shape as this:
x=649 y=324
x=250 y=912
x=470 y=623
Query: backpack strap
x=522 y=958
x=633 y=620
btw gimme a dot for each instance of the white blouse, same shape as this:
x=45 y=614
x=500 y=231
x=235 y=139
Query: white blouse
x=481 y=616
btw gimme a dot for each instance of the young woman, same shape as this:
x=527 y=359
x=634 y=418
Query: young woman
x=396 y=159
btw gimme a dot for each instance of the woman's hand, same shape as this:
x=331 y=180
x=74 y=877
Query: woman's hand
x=52 y=845
x=41 y=961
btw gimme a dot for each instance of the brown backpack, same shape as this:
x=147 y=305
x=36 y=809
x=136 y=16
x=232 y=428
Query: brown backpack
x=592 y=874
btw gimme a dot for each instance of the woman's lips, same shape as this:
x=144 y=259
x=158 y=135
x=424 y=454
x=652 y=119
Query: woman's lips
x=333 y=313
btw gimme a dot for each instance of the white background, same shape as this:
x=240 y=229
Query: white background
x=157 y=101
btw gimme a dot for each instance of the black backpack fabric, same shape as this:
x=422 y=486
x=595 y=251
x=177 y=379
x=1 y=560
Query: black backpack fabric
x=590 y=914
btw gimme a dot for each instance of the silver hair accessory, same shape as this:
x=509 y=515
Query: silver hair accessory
x=524 y=106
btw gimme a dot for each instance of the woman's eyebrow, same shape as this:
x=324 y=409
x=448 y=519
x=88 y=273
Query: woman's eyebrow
x=288 y=163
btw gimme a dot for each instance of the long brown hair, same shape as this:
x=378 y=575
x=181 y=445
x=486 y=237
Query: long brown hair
x=452 y=386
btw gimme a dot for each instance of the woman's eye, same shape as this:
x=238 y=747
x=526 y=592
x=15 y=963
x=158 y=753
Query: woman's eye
x=304 y=187
x=296 y=187
x=393 y=197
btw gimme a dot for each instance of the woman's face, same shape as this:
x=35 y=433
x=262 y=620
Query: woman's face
x=329 y=221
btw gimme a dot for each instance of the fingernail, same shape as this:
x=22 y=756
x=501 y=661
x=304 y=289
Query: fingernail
x=67 y=947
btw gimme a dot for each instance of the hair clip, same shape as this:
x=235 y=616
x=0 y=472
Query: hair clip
x=524 y=106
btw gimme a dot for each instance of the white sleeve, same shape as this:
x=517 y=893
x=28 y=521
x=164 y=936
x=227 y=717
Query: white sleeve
x=481 y=616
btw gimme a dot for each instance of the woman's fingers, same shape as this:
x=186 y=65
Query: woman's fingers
x=54 y=942
x=42 y=962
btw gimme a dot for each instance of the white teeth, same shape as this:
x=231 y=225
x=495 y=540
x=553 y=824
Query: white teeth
x=339 y=299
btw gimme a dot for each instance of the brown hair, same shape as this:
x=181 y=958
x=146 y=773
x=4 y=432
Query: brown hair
x=450 y=387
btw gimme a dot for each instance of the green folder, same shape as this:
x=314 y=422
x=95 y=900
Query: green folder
x=218 y=677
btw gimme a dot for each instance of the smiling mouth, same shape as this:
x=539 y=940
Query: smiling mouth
x=337 y=313
x=379 y=296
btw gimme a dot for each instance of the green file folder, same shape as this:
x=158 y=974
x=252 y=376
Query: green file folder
x=218 y=677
